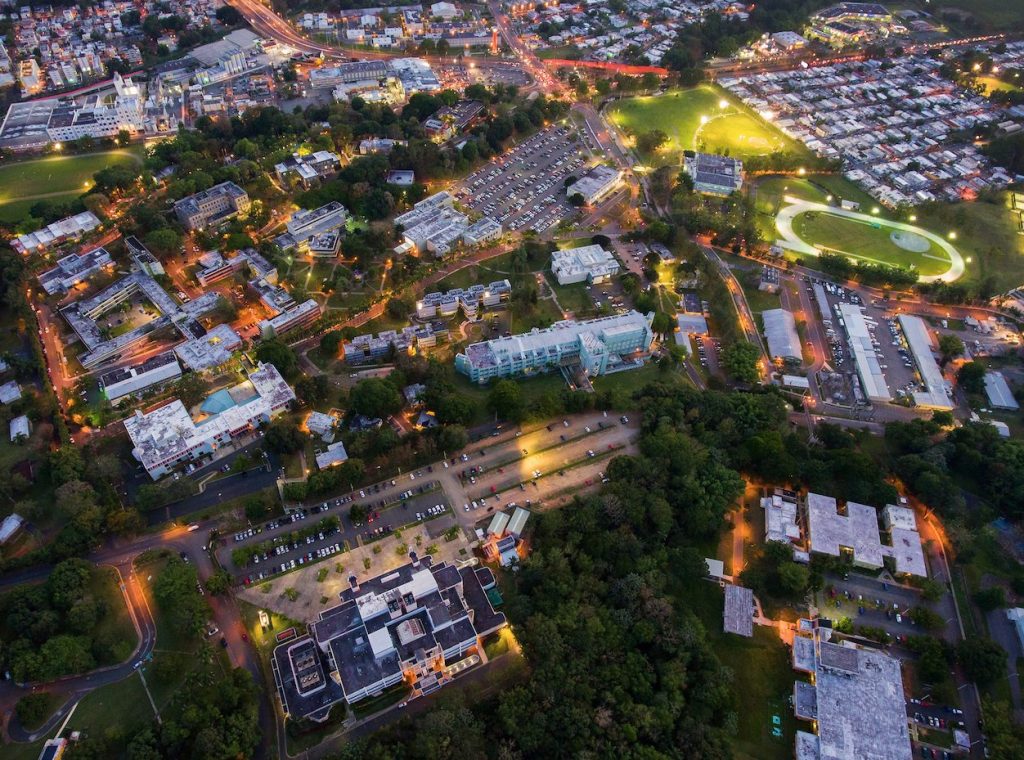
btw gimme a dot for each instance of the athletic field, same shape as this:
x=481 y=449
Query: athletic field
x=703 y=118
x=25 y=182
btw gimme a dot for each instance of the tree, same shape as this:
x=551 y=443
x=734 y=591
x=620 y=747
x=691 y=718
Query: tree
x=330 y=342
x=740 y=361
x=284 y=437
x=650 y=141
x=191 y=389
x=398 y=309
x=506 y=401
x=662 y=324
x=950 y=346
x=313 y=389
x=33 y=708
x=577 y=200
x=219 y=582
x=375 y=397
x=990 y=599
x=927 y=618
x=971 y=377
x=279 y=354
x=175 y=590
x=164 y=242
x=982 y=659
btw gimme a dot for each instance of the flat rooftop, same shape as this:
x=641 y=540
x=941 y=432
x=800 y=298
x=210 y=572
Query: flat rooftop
x=935 y=394
x=738 y=617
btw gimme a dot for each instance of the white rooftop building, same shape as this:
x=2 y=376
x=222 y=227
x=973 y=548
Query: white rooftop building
x=935 y=394
x=589 y=263
x=210 y=350
x=869 y=369
x=998 y=391
x=71 y=228
x=169 y=436
x=20 y=428
x=780 y=332
x=596 y=185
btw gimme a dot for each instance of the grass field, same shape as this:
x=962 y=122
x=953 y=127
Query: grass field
x=864 y=241
x=24 y=182
x=991 y=14
x=993 y=84
x=701 y=118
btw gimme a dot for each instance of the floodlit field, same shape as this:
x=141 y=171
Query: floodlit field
x=701 y=118
x=993 y=84
x=868 y=241
x=55 y=176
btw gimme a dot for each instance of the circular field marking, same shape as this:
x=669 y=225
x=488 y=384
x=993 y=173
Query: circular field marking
x=909 y=241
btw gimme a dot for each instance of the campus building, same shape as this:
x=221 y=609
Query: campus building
x=780 y=332
x=100 y=115
x=998 y=392
x=143 y=258
x=713 y=174
x=169 y=436
x=124 y=381
x=211 y=207
x=52 y=235
x=869 y=370
x=411 y=624
x=432 y=225
x=214 y=267
x=449 y=121
x=299 y=315
x=315 y=232
x=471 y=300
x=370 y=348
x=74 y=269
x=854 y=701
x=589 y=263
x=308 y=168
x=595 y=347
x=596 y=185
x=852 y=530
x=210 y=350
x=935 y=394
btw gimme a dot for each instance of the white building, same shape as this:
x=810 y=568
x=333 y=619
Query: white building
x=74 y=269
x=309 y=167
x=713 y=174
x=589 y=263
x=70 y=228
x=935 y=394
x=211 y=350
x=780 y=332
x=218 y=204
x=99 y=115
x=10 y=392
x=316 y=232
x=125 y=381
x=334 y=455
x=20 y=428
x=322 y=425
x=168 y=436
x=998 y=391
x=595 y=185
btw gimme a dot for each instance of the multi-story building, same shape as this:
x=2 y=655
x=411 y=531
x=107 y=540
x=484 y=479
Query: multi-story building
x=348 y=73
x=596 y=185
x=411 y=624
x=369 y=348
x=471 y=300
x=74 y=269
x=142 y=256
x=211 y=207
x=484 y=230
x=451 y=120
x=589 y=263
x=125 y=381
x=99 y=115
x=315 y=232
x=214 y=267
x=595 y=347
x=309 y=167
x=168 y=436
x=713 y=174
x=301 y=315
x=210 y=350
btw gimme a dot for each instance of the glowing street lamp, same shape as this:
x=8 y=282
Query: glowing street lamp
x=913 y=217
x=876 y=210
x=703 y=119
x=952 y=235
x=723 y=103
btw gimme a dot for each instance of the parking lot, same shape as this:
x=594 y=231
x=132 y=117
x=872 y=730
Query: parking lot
x=887 y=339
x=524 y=189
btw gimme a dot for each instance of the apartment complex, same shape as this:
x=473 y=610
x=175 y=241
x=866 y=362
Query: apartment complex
x=595 y=347
x=211 y=207
x=169 y=436
x=410 y=624
x=471 y=300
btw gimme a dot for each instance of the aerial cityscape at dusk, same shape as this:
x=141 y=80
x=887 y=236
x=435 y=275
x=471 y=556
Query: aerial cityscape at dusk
x=510 y=380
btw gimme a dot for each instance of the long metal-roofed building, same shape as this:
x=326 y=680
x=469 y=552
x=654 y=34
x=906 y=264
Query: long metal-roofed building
x=935 y=394
x=713 y=174
x=855 y=701
x=869 y=369
x=780 y=332
x=70 y=228
x=596 y=346
x=124 y=381
x=409 y=624
x=998 y=391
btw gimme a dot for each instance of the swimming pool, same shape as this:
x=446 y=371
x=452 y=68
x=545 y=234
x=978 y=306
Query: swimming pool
x=217 y=402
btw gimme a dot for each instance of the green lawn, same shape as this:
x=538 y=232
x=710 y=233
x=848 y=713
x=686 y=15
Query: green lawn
x=701 y=118
x=994 y=84
x=867 y=241
x=57 y=174
x=121 y=707
x=764 y=677
x=994 y=15
x=116 y=625
x=483 y=273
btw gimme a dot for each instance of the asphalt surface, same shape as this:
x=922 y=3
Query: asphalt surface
x=524 y=188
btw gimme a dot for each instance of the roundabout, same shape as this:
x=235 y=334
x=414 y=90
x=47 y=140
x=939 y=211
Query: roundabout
x=812 y=228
